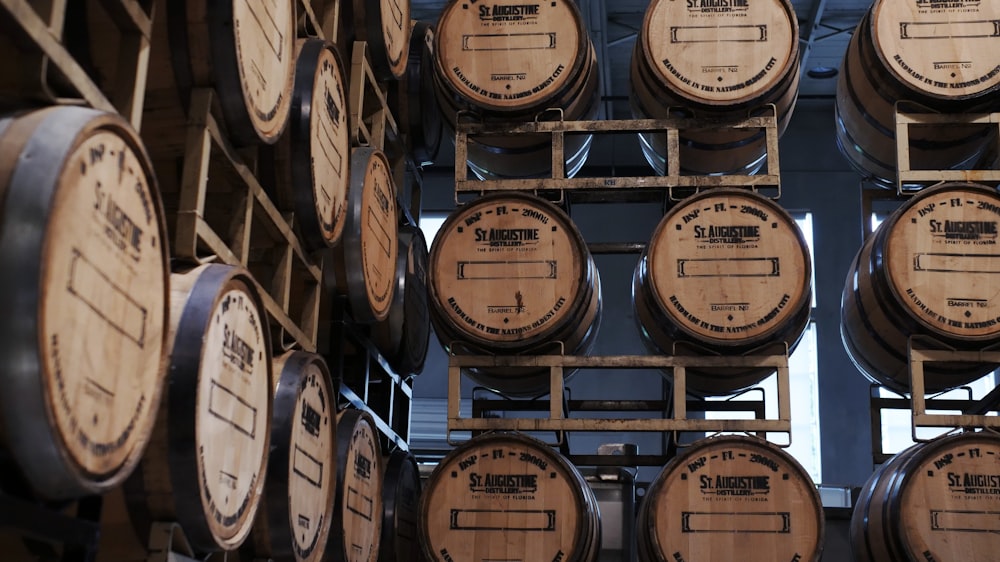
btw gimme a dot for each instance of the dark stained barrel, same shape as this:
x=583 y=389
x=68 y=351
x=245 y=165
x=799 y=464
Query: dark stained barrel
x=85 y=287
x=401 y=509
x=931 y=269
x=357 y=520
x=404 y=335
x=413 y=100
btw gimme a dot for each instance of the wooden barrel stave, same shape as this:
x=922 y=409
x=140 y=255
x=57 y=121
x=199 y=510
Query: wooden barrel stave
x=697 y=508
x=207 y=458
x=357 y=522
x=87 y=277
x=680 y=312
x=364 y=262
x=548 y=510
x=892 y=294
x=659 y=93
x=542 y=291
x=293 y=521
x=931 y=502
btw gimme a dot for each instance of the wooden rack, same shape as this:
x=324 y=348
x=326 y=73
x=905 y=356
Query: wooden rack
x=673 y=182
x=558 y=421
x=907 y=117
x=49 y=72
x=251 y=232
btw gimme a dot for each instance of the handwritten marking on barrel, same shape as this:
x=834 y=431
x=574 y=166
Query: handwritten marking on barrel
x=359 y=504
x=100 y=294
x=230 y=408
x=308 y=467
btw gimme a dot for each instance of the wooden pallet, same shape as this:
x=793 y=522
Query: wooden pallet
x=906 y=117
x=614 y=187
x=243 y=227
x=42 y=68
x=559 y=422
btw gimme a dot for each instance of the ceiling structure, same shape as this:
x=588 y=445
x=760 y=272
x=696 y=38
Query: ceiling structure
x=824 y=30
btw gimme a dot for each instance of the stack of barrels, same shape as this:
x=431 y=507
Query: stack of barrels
x=158 y=383
x=942 y=57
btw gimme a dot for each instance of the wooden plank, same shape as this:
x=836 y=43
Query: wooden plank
x=129 y=15
x=617 y=361
x=618 y=183
x=31 y=28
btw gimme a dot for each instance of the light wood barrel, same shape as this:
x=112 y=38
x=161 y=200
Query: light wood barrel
x=714 y=62
x=508 y=497
x=728 y=271
x=413 y=100
x=365 y=259
x=510 y=273
x=385 y=26
x=309 y=168
x=245 y=50
x=401 y=509
x=293 y=521
x=85 y=288
x=731 y=498
x=404 y=335
x=506 y=62
x=930 y=269
x=357 y=522
x=942 y=56
x=205 y=465
x=933 y=501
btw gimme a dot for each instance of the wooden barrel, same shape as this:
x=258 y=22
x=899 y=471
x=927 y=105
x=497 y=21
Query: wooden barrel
x=510 y=274
x=507 y=496
x=205 y=465
x=731 y=498
x=413 y=101
x=307 y=171
x=357 y=520
x=940 y=55
x=405 y=333
x=933 y=501
x=506 y=62
x=245 y=50
x=293 y=521
x=82 y=239
x=364 y=262
x=385 y=26
x=727 y=271
x=717 y=61
x=930 y=269
x=401 y=509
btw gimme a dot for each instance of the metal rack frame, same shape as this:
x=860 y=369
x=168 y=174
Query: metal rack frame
x=615 y=185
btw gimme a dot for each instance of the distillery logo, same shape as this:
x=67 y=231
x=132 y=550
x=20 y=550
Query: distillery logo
x=503 y=483
x=964 y=230
x=728 y=234
x=497 y=237
x=725 y=485
x=974 y=484
x=508 y=12
x=717 y=6
x=946 y=4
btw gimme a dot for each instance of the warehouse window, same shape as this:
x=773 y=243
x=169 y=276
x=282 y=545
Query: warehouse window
x=804 y=387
